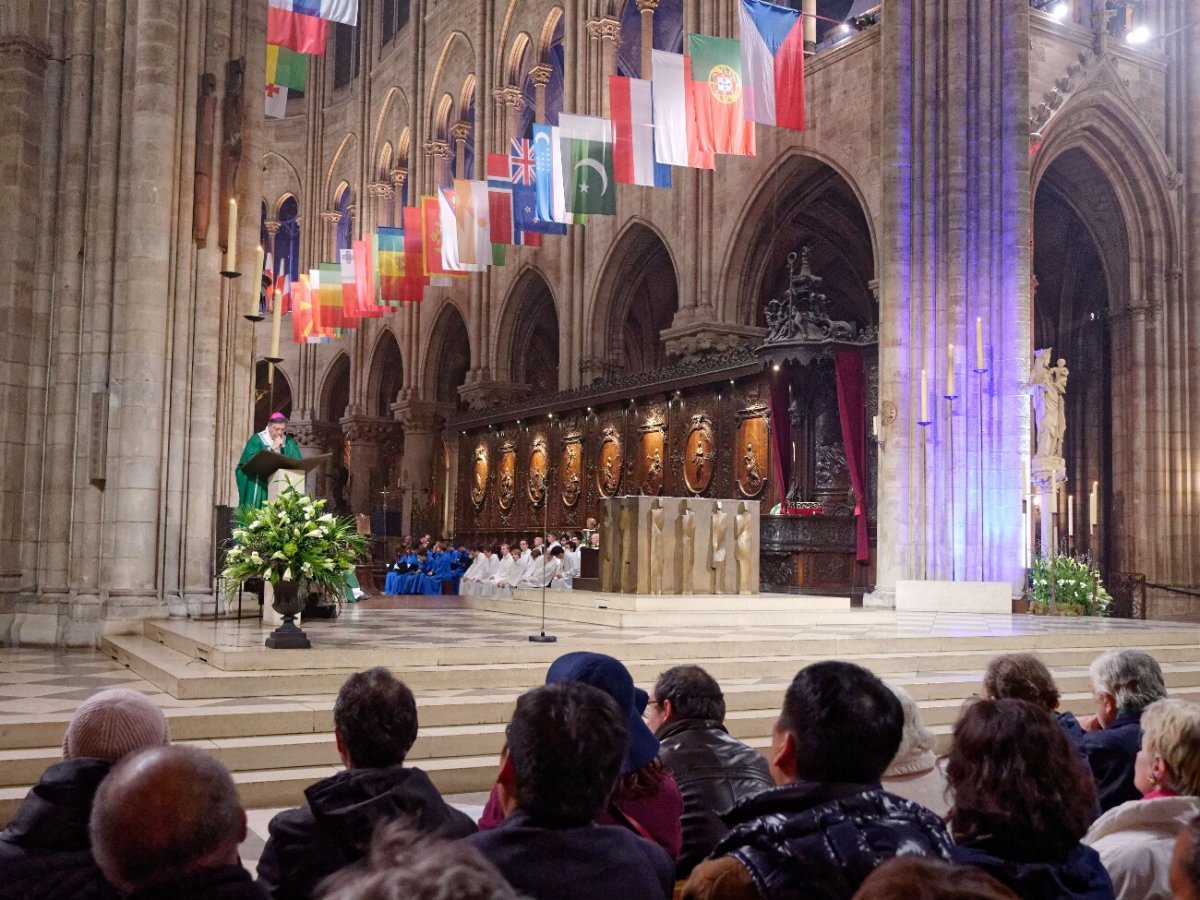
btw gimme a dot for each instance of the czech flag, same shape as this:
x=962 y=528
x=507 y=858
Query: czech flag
x=772 y=64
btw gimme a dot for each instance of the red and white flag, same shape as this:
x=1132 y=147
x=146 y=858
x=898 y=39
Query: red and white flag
x=632 y=103
x=675 y=140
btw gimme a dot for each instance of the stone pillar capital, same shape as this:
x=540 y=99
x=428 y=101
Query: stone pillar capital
x=331 y=217
x=316 y=437
x=540 y=74
x=460 y=130
x=398 y=176
x=369 y=430
x=437 y=149
x=604 y=28
x=421 y=416
x=272 y=226
x=382 y=189
x=647 y=5
x=511 y=96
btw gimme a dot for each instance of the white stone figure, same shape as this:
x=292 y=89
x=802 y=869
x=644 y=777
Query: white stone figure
x=720 y=519
x=743 y=541
x=657 y=517
x=628 y=556
x=686 y=530
x=1047 y=388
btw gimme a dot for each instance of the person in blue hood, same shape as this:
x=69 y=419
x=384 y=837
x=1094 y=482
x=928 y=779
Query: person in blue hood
x=1022 y=801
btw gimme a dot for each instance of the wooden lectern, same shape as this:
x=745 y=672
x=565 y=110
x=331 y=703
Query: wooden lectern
x=280 y=472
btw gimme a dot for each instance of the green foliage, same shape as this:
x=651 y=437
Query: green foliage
x=1072 y=581
x=292 y=539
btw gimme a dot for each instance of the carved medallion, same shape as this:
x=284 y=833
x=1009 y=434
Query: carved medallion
x=572 y=469
x=609 y=462
x=479 y=476
x=539 y=463
x=699 y=454
x=751 y=455
x=506 y=475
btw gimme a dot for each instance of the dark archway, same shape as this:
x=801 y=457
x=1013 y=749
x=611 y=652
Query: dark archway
x=529 y=334
x=335 y=392
x=638 y=301
x=270 y=398
x=1080 y=258
x=449 y=357
x=387 y=375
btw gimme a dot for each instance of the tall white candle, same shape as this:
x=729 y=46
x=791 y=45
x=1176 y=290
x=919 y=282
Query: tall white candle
x=276 y=325
x=949 y=370
x=1094 y=505
x=924 y=397
x=875 y=425
x=1070 y=515
x=979 y=343
x=231 y=238
x=256 y=287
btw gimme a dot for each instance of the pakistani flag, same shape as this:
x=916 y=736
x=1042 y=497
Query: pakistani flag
x=587 y=164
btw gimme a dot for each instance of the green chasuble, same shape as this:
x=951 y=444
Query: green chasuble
x=252 y=490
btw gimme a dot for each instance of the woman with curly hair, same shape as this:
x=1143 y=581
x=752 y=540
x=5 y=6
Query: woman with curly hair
x=1135 y=839
x=1022 y=801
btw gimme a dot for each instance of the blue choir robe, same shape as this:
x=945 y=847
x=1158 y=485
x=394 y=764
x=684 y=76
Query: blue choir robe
x=407 y=582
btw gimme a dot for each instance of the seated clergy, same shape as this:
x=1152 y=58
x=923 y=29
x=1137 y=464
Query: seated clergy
x=714 y=770
x=508 y=573
x=564 y=581
x=566 y=743
x=534 y=573
x=374 y=727
x=468 y=584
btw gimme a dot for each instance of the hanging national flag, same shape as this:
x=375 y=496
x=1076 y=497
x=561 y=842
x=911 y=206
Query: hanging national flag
x=344 y=11
x=268 y=281
x=302 y=323
x=716 y=87
x=286 y=68
x=433 y=236
x=283 y=292
x=275 y=104
x=364 y=280
x=772 y=64
x=293 y=24
x=390 y=264
x=523 y=174
x=415 y=278
x=632 y=103
x=587 y=160
x=547 y=187
x=471 y=218
x=500 y=200
x=674 y=114
x=334 y=313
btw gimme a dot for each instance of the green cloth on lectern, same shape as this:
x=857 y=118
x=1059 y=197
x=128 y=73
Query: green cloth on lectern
x=252 y=489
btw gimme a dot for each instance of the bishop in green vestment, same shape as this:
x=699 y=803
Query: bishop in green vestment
x=252 y=490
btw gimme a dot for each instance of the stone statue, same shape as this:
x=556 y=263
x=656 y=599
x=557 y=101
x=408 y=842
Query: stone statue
x=628 y=560
x=608 y=538
x=753 y=476
x=657 y=521
x=686 y=530
x=720 y=519
x=744 y=538
x=653 y=480
x=1048 y=388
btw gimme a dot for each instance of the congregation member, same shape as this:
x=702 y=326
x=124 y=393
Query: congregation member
x=523 y=545
x=565 y=579
x=828 y=823
x=1185 y=863
x=45 y=851
x=714 y=770
x=375 y=725
x=647 y=799
x=1135 y=840
x=914 y=772
x=922 y=878
x=566 y=743
x=1123 y=682
x=166 y=825
x=507 y=574
x=1022 y=802
x=535 y=574
x=1022 y=676
x=470 y=576
x=403 y=863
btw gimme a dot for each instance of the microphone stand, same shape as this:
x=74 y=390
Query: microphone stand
x=541 y=637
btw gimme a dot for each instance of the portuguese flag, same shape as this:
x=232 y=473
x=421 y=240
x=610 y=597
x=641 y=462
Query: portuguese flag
x=716 y=87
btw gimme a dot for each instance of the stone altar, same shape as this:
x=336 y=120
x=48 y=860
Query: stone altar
x=679 y=545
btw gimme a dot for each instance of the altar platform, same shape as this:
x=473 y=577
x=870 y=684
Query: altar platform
x=267 y=714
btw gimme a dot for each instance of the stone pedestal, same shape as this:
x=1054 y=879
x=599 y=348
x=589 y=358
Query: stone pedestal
x=678 y=545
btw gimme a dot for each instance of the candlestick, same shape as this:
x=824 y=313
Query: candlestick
x=924 y=398
x=1070 y=515
x=950 y=372
x=979 y=344
x=231 y=238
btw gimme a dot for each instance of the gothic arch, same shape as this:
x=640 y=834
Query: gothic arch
x=283 y=198
x=448 y=356
x=636 y=298
x=270 y=398
x=527 y=341
x=517 y=64
x=391 y=122
x=546 y=37
x=467 y=54
x=335 y=389
x=280 y=175
x=803 y=200
x=341 y=168
x=386 y=374
x=384 y=166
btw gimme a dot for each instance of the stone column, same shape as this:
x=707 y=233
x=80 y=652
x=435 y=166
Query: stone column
x=399 y=178
x=540 y=76
x=330 y=219
x=955 y=227
x=422 y=421
x=381 y=193
x=438 y=155
x=514 y=104
x=810 y=24
x=459 y=132
x=369 y=437
x=647 y=8
x=607 y=31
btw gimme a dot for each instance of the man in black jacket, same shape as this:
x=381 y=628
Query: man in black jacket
x=375 y=725
x=714 y=771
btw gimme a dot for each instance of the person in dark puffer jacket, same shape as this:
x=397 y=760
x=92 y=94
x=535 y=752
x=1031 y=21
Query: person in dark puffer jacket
x=45 y=851
x=714 y=770
x=375 y=725
x=829 y=824
x=1022 y=801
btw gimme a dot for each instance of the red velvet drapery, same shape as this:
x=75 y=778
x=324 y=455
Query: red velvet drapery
x=781 y=437
x=849 y=369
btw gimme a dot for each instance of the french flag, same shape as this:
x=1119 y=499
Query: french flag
x=772 y=64
x=631 y=101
